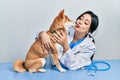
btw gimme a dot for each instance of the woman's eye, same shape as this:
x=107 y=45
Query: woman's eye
x=86 y=23
x=81 y=18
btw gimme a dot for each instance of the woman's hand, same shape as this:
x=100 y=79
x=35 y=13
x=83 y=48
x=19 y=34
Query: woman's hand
x=46 y=42
x=61 y=38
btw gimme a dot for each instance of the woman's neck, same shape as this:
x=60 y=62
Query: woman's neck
x=78 y=36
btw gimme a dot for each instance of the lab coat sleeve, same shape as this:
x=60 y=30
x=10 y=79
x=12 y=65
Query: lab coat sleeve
x=76 y=60
x=68 y=58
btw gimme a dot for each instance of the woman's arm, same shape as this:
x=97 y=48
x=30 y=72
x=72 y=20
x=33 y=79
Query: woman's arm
x=45 y=39
x=61 y=38
x=75 y=59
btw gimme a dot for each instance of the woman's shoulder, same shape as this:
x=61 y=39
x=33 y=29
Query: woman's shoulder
x=88 y=41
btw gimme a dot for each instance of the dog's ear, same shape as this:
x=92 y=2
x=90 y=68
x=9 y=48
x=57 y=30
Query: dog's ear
x=61 y=13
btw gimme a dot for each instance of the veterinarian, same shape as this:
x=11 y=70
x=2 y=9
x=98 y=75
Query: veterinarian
x=78 y=47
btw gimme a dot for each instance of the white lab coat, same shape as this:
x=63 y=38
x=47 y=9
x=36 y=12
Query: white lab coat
x=80 y=55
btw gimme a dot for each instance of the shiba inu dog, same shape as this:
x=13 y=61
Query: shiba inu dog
x=35 y=58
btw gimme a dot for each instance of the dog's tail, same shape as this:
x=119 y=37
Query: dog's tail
x=18 y=66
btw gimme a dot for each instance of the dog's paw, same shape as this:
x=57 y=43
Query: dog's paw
x=32 y=70
x=41 y=70
x=62 y=70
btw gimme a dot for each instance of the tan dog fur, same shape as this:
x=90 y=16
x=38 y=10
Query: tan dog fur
x=35 y=57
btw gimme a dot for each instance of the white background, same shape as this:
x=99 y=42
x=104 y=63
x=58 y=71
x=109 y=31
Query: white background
x=20 y=20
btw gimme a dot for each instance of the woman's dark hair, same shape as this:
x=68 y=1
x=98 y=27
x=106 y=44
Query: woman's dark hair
x=94 y=21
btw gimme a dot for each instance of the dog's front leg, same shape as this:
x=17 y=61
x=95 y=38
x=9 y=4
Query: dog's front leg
x=51 y=60
x=57 y=63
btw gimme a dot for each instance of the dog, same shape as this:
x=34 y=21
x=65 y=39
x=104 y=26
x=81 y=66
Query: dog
x=35 y=58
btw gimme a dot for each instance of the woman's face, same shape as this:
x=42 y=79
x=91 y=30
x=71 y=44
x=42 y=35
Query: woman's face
x=83 y=24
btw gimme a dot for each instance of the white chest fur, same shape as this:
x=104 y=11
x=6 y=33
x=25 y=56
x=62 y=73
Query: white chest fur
x=43 y=61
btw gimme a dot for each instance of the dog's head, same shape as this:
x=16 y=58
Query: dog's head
x=61 y=21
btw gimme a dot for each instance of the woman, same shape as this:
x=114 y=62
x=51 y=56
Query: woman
x=78 y=47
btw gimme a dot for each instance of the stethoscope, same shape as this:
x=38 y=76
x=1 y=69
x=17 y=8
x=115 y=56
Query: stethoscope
x=93 y=67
